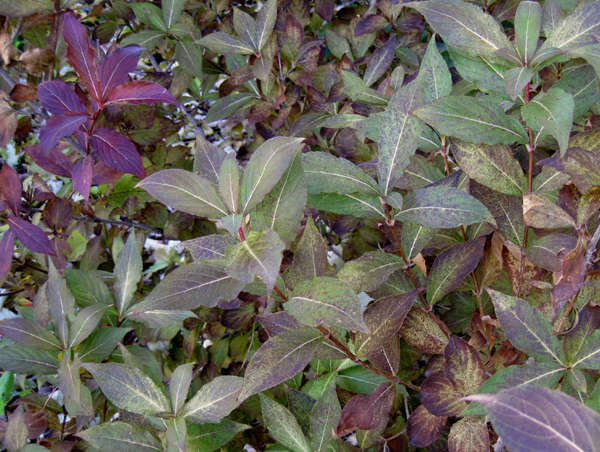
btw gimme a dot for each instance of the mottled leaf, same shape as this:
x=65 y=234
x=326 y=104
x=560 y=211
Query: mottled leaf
x=127 y=273
x=369 y=271
x=25 y=360
x=120 y=436
x=328 y=302
x=424 y=331
x=541 y=212
x=324 y=418
x=129 y=388
x=29 y=334
x=85 y=322
x=437 y=81
x=283 y=426
x=442 y=207
x=423 y=428
x=209 y=247
x=578 y=29
x=470 y=433
x=472 y=119
x=367 y=411
x=214 y=401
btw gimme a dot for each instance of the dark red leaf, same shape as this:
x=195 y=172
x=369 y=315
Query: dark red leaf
x=59 y=258
x=367 y=411
x=60 y=126
x=23 y=93
x=423 y=428
x=59 y=98
x=80 y=54
x=82 y=176
x=57 y=213
x=103 y=174
x=10 y=187
x=140 y=92
x=325 y=8
x=114 y=69
x=7 y=245
x=54 y=161
x=117 y=151
x=31 y=236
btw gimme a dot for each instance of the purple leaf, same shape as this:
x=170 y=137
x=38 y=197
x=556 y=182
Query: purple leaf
x=117 y=151
x=103 y=174
x=80 y=54
x=10 y=187
x=60 y=126
x=31 y=236
x=140 y=92
x=58 y=98
x=82 y=176
x=7 y=245
x=54 y=161
x=114 y=69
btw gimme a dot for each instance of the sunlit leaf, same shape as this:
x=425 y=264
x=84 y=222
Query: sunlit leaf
x=214 y=401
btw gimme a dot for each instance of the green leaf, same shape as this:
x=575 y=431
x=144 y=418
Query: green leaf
x=179 y=385
x=208 y=160
x=120 y=436
x=516 y=79
x=127 y=273
x=245 y=27
x=493 y=166
x=61 y=304
x=324 y=418
x=86 y=287
x=210 y=437
x=24 y=360
x=282 y=425
x=265 y=168
x=214 y=401
x=443 y=207
x=526 y=327
x=588 y=356
x=380 y=61
x=283 y=207
x=327 y=174
x=24 y=8
x=189 y=287
x=399 y=134
x=328 y=302
x=528 y=23
x=369 y=271
x=383 y=319
x=463 y=26
x=150 y=15
x=260 y=254
x=551 y=111
x=300 y=405
x=185 y=191
x=265 y=22
x=541 y=419
x=85 y=323
x=452 y=266
x=414 y=238
x=209 y=247
x=229 y=183
x=128 y=388
x=337 y=44
x=486 y=73
x=148 y=39
x=225 y=44
x=581 y=84
x=472 y=119
x=355 y=204
x=172 y=10
x=100 y=344
x=279 y=359
x=310 y=258
x=189 y=57
x=436 y=77
x=29 y=334
x=358 y=91
x=576 y=30
x=224 y=107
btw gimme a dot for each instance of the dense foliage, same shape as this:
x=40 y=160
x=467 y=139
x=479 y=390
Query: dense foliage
x=387 y=216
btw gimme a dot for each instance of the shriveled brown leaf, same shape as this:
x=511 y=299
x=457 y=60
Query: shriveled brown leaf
x=37 y=61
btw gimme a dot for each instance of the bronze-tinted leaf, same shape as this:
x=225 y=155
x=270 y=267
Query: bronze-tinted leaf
x=8 y=119
x=452 y=266
x=387 y=358
x=423 y=428
x=424 y=331
x=440 y=396
x=366 y=411
x=573 y=269
x=544 y=252
x=383 y=319
x=10 y=188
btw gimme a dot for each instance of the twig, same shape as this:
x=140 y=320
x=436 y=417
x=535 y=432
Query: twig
x=385 y=440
